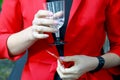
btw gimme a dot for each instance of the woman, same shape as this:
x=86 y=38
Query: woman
x=24 y=25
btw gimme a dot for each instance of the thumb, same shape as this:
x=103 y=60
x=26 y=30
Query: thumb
x=68 y=58
x=68 y=61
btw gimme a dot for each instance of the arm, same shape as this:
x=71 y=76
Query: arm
x=82 y=63
x=19 y=42
x=15 y=40
x=113 y=31
x=30 y=35
x=10 y=22
x=111 y=60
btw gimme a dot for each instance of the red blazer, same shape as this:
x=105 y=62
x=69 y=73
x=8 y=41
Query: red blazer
x=88 y=24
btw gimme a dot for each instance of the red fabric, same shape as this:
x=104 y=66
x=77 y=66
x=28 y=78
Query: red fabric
x=85 y=34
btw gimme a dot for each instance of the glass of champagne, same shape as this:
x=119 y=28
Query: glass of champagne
x=58 y=8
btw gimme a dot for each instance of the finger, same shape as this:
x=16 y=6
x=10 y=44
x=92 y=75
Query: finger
x=60 y=64
x=43 y=29
x=68 y=79
x=58 y=14
x=67 y=76
x=43 y=13
x=68 y=58
x=40 y=36
x=44 y=21
x=59 y=72
x=71 y=70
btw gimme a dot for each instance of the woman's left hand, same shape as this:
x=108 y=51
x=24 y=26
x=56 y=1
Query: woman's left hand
x=82 y=64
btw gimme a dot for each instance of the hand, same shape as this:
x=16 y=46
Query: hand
x=28 y=36
x=82 y=64
x=42 y=23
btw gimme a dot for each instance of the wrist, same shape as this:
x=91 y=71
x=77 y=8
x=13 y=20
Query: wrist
x=101 y=62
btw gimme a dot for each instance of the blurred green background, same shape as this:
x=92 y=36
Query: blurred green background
x=5 y=69
x=5 y=65
x=0 y=2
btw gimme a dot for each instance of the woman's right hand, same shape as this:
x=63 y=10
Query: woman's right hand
x=41 y=23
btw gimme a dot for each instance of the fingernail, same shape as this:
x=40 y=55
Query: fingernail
x=50 y=14
x=46 y=36
x=62 y=58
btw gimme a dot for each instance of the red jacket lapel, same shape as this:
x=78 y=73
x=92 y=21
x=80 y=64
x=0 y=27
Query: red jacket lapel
x=74 y=7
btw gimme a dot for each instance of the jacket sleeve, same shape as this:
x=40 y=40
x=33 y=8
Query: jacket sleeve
x=113 y=29
x=10 y=22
